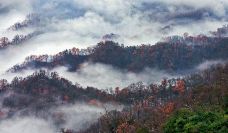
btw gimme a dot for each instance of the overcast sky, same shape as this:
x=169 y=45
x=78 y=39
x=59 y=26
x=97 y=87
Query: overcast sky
x=82 y=23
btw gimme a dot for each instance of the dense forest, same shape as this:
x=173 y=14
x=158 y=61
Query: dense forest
x=194 y=102
x=197 y=103
x=113 y=66
x=17 y=40
x=173 y=56
x=186 y=104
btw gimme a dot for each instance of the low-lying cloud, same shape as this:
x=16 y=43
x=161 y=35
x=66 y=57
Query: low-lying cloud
x=80 y=23
x=26 y=125
x=105 y=76
x=80 y=116
x=210 y=63
x=101 y=76
x=76 y=117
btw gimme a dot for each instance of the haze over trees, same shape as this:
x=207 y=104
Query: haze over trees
x=147 y=108
x=113 y=66
x=172 y=56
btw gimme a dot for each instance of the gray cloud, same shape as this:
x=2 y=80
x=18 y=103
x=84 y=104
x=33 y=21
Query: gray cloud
x=3 y=9
x=13 y=11
x=138 y=21
x=26 y=125
x=81 y=116
x=77 y=117
x=102 y=76
x=210 y=63
x=80 y=23
x=105 y=76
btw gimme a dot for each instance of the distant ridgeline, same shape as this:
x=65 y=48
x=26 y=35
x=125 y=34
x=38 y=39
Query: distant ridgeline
x=53 y=89
x=173 y=54
x=18 y=39
x=30 y=20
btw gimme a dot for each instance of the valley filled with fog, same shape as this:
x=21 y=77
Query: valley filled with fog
x=85 y=66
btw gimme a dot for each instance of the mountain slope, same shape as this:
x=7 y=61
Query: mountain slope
x=169 y=56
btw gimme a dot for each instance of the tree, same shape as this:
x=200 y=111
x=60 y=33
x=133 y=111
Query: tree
x=3 y=84
x=180 y=86
x=142 y=130
x=199 y=121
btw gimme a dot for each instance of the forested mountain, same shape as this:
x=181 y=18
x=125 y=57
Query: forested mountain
x=17 y=40
x=114 y=66
x=50 y=88
x=199 y=105
x=146 y=107
x=177 y=54
x=152 y=108
x=30 y=20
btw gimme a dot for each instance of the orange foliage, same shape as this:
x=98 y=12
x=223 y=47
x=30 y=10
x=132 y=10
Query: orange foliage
x=2 y=114
x=94 y=102
x=66 y=98
x=117 y=90
x=168 y=108
x=124 y=91
x=180 y=86
x=125 y=128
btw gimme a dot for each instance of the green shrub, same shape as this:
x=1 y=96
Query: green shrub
x=142 y=130
x=186 y=121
